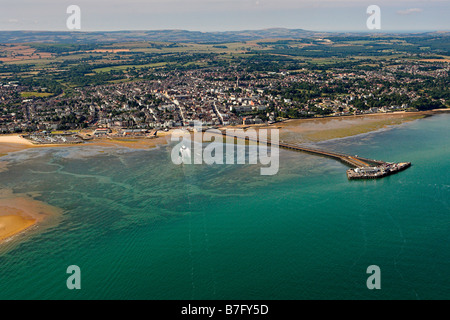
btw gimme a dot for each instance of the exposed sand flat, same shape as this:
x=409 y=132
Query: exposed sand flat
x=3 y=165
x=130 y=142
x=19 y=212
x=13 y=143
x=13 y=224
x=320 y=129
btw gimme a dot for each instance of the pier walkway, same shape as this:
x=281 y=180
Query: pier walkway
x=362 y=168
x=353 y=161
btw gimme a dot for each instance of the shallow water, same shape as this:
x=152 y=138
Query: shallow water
x=140 y=227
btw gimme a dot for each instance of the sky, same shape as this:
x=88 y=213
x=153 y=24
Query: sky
x=225 y=15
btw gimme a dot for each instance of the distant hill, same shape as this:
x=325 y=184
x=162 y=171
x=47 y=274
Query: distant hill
x=154 y=35
x=185 y=36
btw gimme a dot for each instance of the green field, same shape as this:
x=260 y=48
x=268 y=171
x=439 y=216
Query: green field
x=35 y=94
x=126 y=67
x=76 y=65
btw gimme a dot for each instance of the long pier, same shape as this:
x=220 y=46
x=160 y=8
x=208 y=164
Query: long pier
x=362 y=168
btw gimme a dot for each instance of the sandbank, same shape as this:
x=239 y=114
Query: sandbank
x=20 y=212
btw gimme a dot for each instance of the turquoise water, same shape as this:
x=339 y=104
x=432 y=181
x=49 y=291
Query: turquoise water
x=140 y=227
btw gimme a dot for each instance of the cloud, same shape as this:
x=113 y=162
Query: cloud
x=409 y=11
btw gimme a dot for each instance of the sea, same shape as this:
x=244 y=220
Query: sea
x=140 y=227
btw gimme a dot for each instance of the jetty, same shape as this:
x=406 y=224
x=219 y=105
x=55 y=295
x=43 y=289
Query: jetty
x=361 y=168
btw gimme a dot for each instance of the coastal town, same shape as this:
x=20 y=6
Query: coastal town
x=142 y=102
x=221 y=96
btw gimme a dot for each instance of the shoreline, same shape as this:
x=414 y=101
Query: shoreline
x=308 y=130
x=343 y=117
x=13 y=224
x=20 y=213
x=331 y=128
x=14 y=142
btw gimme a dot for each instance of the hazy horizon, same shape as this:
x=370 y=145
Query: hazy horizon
x=225 y=15
x=237 y=30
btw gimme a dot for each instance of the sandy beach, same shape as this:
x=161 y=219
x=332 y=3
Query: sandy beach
x=326 y=128
x=130 y=142
x=321 y=129
x=13 y=224
x=20 y=212
x=12 y=143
